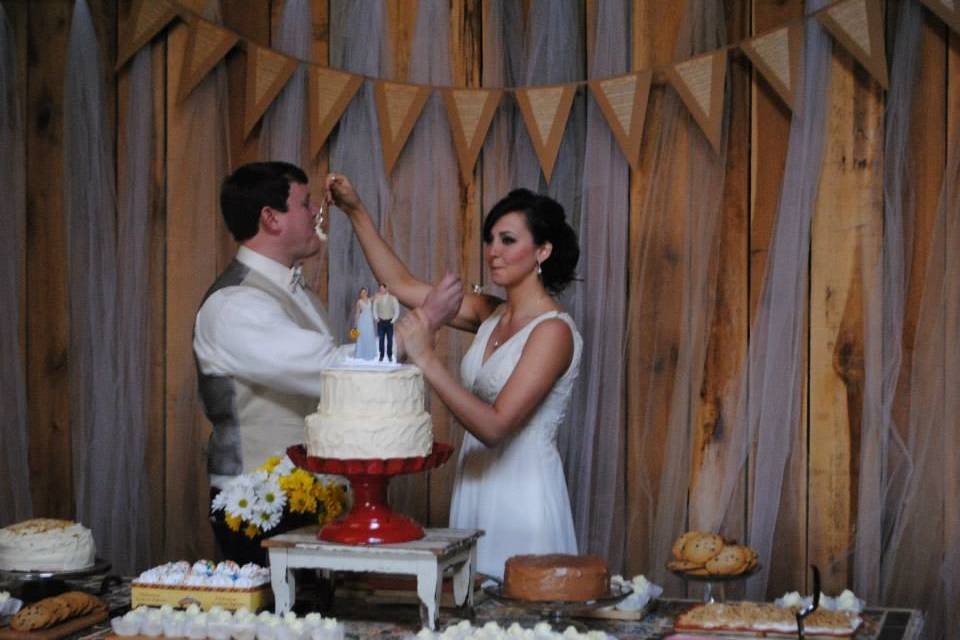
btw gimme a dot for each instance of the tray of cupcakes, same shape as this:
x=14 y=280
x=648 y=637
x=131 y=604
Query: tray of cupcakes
x=207 y=584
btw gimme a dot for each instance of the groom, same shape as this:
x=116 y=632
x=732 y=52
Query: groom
x=261 y=336
x=386 y=309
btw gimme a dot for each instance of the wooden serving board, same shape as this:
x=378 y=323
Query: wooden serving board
x=62 y=630
x=612 y=614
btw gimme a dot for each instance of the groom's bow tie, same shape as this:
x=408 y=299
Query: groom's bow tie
x=296 y=278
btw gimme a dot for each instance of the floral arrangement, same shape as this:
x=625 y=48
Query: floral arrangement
x=354 y=333
x=257 y=502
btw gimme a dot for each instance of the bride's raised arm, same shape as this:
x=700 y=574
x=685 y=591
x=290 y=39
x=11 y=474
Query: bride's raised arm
x=390 y=269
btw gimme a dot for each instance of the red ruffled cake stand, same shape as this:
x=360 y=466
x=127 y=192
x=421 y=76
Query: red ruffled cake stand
x=371 y=521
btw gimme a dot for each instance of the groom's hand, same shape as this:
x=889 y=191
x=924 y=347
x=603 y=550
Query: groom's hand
x=443 y=301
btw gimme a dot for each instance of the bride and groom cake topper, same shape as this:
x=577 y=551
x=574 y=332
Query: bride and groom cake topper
x=373 y=326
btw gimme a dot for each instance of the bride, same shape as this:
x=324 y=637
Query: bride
x=515 y=380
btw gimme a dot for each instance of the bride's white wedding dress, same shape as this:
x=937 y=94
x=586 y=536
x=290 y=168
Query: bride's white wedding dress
x=515 y=492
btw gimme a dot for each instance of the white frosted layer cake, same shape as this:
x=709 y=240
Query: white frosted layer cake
x=45 y=544
x=370 y=413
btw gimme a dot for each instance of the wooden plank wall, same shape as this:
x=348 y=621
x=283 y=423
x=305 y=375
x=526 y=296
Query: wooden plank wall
x=189 y=246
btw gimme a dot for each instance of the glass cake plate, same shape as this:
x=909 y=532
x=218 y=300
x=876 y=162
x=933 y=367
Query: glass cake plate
x=30 y=586
x=558 y=612
x=99 y=566
x=713 y=590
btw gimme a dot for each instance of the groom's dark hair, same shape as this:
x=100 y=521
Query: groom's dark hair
x=251 y=188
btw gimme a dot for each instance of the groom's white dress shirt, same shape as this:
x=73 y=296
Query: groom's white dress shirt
x=260 y=341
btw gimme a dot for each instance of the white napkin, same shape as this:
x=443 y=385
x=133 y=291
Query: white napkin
x=8 y=604
x=643 y=592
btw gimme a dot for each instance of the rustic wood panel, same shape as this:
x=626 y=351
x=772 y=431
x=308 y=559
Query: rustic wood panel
x=466 y=44
x=156 y=438
x=155 y=411
x=192 y=238
x=317 y=268
x=17 y=16
x=769 y=141
x=845 y=236
x=252 y=21
x=410 y=494
x=725 y=358
x=401 y=20
x=951 y=475
x=48 y=330
x=655 y=27
x=927 y=148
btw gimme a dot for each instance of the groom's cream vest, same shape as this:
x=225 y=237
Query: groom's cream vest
x=251 y=421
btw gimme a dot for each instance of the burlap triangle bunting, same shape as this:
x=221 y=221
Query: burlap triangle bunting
x=858 y=26
x=147 y=19
x=398 y=107
x=470 y=112
x=206 y=46
x=267 y=73
x=700 y=82
x=329 y=94
x=946 y=10
x=545 y=111
x=623 y=102
x=777 y=57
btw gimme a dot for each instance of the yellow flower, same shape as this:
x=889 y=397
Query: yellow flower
x=251 y=531
x=299 y=479
x=270 y=464
x=354 y=333
x=302 y=502
x=234 y=522
x=332 y=508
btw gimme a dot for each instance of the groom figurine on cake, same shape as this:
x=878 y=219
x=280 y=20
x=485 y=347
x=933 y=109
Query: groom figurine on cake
x=261 y=336
x=386 y=309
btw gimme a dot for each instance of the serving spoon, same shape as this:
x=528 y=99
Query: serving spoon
x=814 y=604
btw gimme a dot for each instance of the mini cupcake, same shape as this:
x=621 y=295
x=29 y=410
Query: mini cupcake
x=152 y=624
x=219 y=623
x=244 y=625
x=196 y=626
x=125 y=626
x=173 y=624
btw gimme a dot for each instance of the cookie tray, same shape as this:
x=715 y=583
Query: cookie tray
x=61 y=630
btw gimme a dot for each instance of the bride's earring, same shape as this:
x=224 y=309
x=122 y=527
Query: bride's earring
x=539 y=270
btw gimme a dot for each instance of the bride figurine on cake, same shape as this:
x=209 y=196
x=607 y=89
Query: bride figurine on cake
x=515 y=380
x=366 y=348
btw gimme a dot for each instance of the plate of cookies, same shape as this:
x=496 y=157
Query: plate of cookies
x=55 y=617
x=711 y=557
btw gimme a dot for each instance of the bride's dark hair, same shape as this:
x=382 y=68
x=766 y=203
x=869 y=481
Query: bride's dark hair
x=547 y=223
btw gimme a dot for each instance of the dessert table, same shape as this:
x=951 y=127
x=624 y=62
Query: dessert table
x=426 y=558
x=399 y=621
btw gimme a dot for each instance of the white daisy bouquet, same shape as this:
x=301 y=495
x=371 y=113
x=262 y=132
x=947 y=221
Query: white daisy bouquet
x=257 y=502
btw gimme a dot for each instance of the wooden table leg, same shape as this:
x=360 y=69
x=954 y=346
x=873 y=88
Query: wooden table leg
x=429 y=584
x=463 y=582
x=282 y=581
